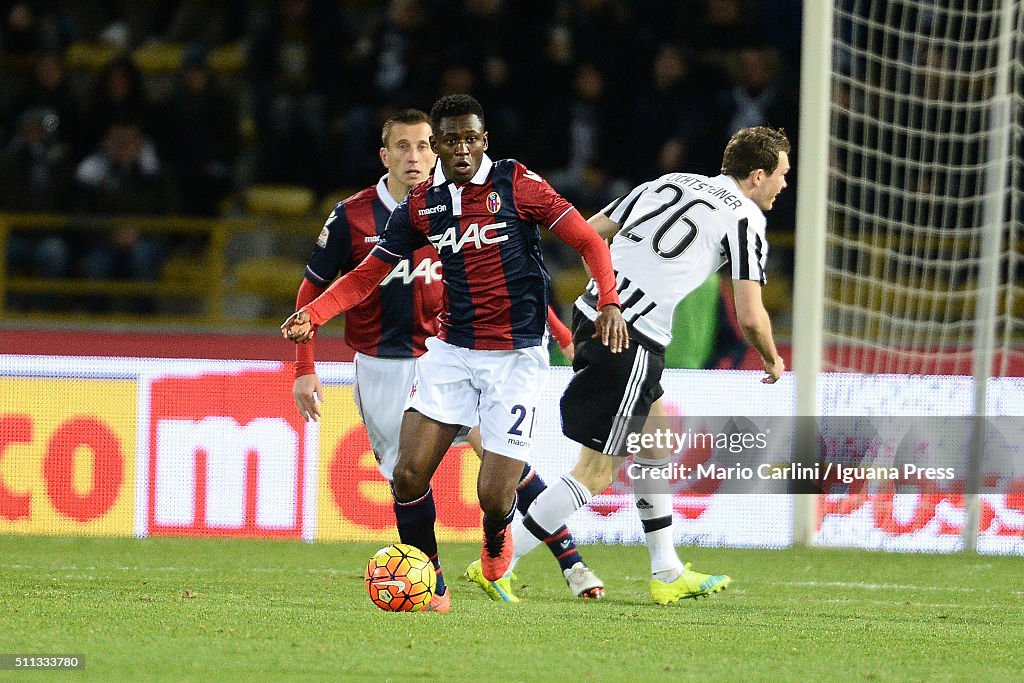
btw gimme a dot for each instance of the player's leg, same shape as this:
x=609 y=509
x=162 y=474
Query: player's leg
x=593 y=473
x=381 y=390
x=510 y=386
x=442 y=399
x=496 y=489
x=671 y=579
x=561 y=542
x=604 y=387
x=424 y=442
x=653 y=493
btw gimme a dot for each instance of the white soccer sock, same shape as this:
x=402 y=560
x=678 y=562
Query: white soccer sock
x=522 y=542
x=654 y=504
x=549 y=512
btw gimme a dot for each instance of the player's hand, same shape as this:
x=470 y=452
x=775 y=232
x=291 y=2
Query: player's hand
x=773 y=369
x=308 y=395
x=611 y=328
x=569 y=351
x=298 y=327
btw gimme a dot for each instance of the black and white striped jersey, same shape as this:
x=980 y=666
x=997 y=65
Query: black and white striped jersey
x=674 y=233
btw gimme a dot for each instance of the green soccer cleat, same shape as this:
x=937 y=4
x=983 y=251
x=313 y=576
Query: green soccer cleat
x=690 y=584
x=500 y=590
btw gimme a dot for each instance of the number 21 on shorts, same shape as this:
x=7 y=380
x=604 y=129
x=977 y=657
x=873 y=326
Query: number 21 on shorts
x=519 y=412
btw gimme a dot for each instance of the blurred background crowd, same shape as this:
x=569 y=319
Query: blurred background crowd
x=176 y=107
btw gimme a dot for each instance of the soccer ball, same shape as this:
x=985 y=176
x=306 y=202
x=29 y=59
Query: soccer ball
x=400 y=578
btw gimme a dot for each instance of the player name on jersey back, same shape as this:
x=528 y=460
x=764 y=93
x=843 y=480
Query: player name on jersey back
x=674 y=233
x=700 y=184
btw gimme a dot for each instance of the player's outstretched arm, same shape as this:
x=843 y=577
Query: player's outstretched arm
x=343 y=294
x=757 y=327
x=579 y=235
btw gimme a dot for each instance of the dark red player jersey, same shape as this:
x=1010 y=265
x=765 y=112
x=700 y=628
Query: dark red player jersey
x=488 y=237
x=396 y=319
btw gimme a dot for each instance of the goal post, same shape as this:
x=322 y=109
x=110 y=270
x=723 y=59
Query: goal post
x=812 y=167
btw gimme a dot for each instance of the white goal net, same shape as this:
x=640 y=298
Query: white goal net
x=924 y=168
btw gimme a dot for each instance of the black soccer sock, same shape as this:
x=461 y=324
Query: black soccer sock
x=416 y=527
x=561 y=543
x=492 y=527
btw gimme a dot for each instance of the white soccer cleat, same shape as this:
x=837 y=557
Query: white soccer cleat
x=583 y=582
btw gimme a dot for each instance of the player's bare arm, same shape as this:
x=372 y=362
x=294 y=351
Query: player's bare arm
x=757 y=327
x=308 y=395
x=605 y=227
x=607 y=326
x=611 y=328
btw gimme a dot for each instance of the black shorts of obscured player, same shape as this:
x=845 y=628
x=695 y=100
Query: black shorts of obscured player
x=610 y=394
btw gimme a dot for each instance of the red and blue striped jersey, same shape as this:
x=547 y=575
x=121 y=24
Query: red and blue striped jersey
x=488 y=238
x=397 y=318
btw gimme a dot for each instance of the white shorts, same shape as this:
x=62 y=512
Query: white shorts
x=498 y=389
x=381 y=391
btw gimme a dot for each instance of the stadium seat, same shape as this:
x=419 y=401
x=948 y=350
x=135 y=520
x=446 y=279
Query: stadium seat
x=272 y=277
x=89 y=56
x=159 y=58
x=778 y=295
x=227 y=59
x=568 y=283
x=290 y=201
x=331 y=199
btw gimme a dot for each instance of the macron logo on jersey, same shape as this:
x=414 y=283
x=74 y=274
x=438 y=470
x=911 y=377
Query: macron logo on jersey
x=476 y=235
x=432 y=210
x=427 y=269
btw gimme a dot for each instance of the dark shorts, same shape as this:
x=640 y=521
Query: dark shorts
x=610 y=394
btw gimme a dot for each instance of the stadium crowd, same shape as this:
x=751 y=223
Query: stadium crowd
x=597 y=95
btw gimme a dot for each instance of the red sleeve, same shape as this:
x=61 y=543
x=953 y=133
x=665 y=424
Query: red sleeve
x=559 y=331
x=304 y=352
x=353 y=287
x=537 y=201
x=579 y=235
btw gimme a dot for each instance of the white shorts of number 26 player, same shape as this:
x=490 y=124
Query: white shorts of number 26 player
x=498 y=389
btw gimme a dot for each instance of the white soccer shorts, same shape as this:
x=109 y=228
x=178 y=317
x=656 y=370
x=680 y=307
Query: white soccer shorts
x=381 y=391
x=500 y=389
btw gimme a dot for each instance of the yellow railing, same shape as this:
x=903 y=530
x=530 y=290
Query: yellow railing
x=203 y=286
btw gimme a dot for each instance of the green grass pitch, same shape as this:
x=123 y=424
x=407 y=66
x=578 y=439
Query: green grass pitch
x=216 y=610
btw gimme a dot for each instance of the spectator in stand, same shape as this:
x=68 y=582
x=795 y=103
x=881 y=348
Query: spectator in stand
x=669 y=113
x=584 y=161
x=35 y=172
x=605 y=33
x=755 y=96
x=47 y=87
x=553 y=92
x=723 y=28
x=393 y=65
x=201 y=135
x=35 y=168
x=117 y=94
x=295 y=63
x=123 y=176
x=30 y=26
